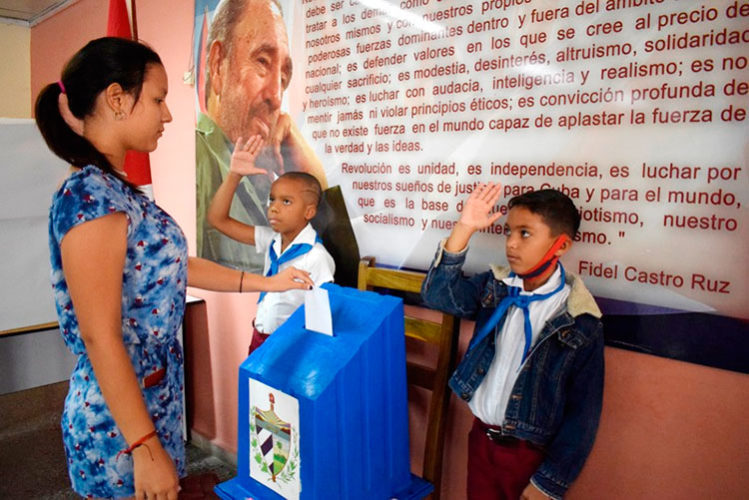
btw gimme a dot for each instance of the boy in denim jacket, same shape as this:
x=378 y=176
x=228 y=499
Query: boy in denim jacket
x=533 y=371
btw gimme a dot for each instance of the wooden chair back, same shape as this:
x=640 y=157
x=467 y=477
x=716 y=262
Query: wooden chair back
x=444 y=336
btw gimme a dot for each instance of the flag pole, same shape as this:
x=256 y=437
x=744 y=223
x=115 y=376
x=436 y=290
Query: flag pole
x=133 y=18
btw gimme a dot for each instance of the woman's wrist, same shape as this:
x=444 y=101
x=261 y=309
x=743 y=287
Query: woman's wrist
x=141 y=444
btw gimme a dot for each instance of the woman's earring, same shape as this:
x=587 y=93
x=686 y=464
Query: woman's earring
x=119 y=115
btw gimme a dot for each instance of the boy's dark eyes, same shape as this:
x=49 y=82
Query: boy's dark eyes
x=285 y=201
x=524 y=233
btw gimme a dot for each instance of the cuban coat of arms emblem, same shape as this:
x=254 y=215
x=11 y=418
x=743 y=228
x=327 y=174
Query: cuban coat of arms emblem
x=274 y=439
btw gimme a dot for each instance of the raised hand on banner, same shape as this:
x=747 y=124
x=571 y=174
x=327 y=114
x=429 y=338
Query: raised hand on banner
x=476 y=215
x=244 y=156
x=291 y=151
x=477 y=210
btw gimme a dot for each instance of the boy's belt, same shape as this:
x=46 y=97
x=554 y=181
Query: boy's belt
x=499 y=435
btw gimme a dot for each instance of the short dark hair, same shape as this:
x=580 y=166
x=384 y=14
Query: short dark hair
x=89 y=72
x=311 y=184
x=556 y=208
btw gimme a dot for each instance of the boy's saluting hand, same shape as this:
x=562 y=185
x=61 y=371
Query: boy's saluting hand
x=477 y=209
x=476 y=215
x=244 y=156
x=242 y=163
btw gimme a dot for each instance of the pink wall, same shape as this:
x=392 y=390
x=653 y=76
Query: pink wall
x=55 y=39
x=669 y=429
x=229 y=316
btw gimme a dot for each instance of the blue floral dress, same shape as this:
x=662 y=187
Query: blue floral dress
x=153 y=301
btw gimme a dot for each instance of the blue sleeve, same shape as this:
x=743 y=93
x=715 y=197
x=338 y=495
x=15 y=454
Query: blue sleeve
x=567 y=452
x=446 y=289
x=86 y=197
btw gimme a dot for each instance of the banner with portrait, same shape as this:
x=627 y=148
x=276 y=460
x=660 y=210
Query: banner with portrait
x=637 y=109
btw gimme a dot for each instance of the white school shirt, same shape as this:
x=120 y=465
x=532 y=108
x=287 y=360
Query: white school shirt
x=489 y=402
x=276 y=307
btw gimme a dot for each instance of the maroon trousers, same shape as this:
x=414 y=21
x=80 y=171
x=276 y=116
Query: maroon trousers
x=499 y=470
x=257 y=339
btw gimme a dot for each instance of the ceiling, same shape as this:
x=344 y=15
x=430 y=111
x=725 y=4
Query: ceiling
x=30 y=12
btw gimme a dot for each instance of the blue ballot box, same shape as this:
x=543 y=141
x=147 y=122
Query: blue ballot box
x=326 y=417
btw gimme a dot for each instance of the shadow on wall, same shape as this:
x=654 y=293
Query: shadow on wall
x=333 y=224
x=201 y=411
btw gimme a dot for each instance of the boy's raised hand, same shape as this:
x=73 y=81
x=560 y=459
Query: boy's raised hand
x=476 y=215
x=244 y=155
x=477 y=209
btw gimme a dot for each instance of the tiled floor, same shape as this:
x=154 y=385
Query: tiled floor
x=32 y=460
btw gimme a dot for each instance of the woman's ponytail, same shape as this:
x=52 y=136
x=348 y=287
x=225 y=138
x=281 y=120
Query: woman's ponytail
x=60 y=138
x=89 y=72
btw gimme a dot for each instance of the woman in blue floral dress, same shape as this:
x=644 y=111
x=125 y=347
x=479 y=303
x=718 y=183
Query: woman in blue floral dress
x=119 y=272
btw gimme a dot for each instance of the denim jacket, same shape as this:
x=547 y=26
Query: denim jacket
x=556 y=399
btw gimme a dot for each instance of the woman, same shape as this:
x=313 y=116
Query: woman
x=119 y=271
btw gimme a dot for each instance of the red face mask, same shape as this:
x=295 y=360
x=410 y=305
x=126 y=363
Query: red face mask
x=548 y=260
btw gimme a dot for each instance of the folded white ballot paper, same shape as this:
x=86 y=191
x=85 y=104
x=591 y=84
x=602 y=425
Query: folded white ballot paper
x=317 y=315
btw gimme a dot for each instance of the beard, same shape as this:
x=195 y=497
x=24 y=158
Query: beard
x=233 y=127
x=268 y=160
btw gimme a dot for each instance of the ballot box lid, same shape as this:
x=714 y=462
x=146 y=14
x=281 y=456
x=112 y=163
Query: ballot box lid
x=305 y=362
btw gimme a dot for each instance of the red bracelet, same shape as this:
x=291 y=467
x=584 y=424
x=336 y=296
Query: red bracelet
x=139 y=442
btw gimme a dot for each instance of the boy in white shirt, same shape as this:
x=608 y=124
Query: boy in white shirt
x=533 y=372
x=290 y=239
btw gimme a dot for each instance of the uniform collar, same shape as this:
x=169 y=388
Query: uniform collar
x=580 y=300
x=551 y=284
x=307 y=235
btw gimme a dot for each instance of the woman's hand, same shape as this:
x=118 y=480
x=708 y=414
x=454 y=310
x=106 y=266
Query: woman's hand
x=244 y=156
x=154 y=472
x=289 y=279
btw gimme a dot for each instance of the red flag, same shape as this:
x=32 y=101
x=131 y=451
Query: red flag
x=137 y=164
x=118 y=22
